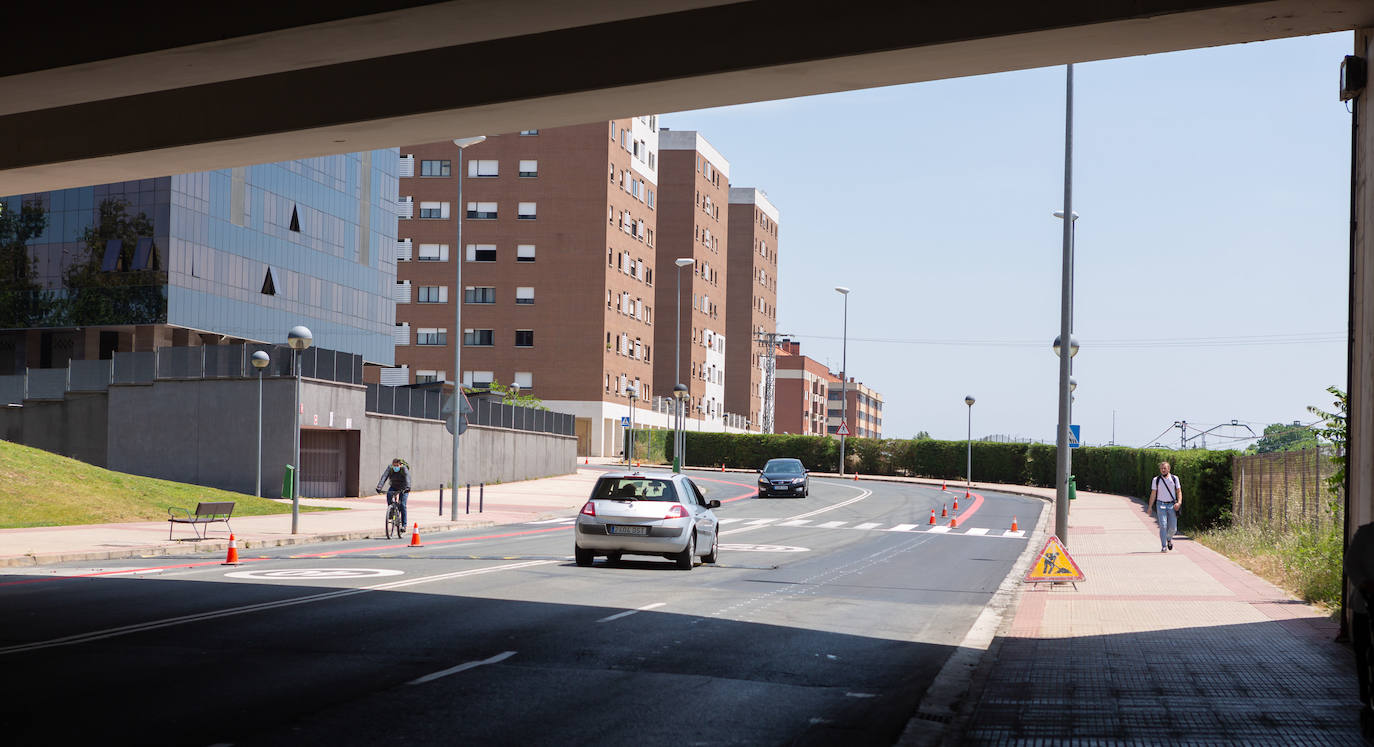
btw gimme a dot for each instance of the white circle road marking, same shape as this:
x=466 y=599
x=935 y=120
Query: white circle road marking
x=763 y=548
x=292 y=574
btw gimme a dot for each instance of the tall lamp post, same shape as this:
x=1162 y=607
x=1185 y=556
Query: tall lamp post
x=1061 y=504
x=299 y=338
x=1063 y=457
x=844 y=364
x=260 y=361
x=680 y=391
x=968 y=474
x=459 y=254
x=630 y=439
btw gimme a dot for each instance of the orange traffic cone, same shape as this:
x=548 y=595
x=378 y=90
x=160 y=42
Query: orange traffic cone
x=586 y=461
x=967 y=495
x=1013 y=525
x=233 y=557
x=415 y=535
x=956 y=503
x=856 y=477
x=722 y=466
x=944 y=485
x=932 y=517
x=944 y=511
x=954 y=521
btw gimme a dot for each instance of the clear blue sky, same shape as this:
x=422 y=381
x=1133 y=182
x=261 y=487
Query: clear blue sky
x=1213 y=189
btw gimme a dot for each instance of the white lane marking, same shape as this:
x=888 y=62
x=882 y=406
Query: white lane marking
x=978 y=531
x=938 y=530
x=296 y=574
x=730 y=521
x=1010 y=533
x=863 y=493
x=553 y=521
x=831 y=524
x=902 y=528
x=627 y=613
x=795 y=523
x=123 y=630
x=763 y=548
x=869 y=525
x=461 y=668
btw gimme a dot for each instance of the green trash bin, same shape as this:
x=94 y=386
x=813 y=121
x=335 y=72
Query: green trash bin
x=288 y=481
x=1073 y=490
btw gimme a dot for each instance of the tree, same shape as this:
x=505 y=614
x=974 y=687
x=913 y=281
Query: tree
x=1281 y=437
x=510 y=397
x=122 y=296
x=923 y=435
x=1334 y=429
x=22 y=302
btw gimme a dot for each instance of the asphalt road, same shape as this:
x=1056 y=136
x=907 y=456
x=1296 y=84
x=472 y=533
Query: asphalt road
x=824 y=622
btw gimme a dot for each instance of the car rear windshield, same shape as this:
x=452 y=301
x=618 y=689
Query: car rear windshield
x=783 y=467
x=635 y=489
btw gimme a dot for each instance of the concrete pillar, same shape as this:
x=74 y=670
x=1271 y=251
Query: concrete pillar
x=1360 y=466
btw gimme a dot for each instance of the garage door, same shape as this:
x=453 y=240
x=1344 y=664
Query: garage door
x=323 y=463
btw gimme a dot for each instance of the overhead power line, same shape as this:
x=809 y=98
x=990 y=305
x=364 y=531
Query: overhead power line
x=1305 y=338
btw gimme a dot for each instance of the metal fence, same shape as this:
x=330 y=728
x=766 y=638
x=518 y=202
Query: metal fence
x=415 y=402
x=47 y=383
x=13 y=389
x=1282 y=489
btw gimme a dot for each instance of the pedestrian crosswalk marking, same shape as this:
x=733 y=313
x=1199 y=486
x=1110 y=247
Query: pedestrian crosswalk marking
x=869 y=525
x=978 y=531
x=831 y=525
x=795 y=523
x=866 y=526
x=1010 y=533
x=902 y=528
x=938 y=530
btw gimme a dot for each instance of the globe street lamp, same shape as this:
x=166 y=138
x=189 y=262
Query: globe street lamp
x=299 y=338
x=679 y=397
x=844 y=364
x=260 y=361
x=459 y=254
x=968 y=474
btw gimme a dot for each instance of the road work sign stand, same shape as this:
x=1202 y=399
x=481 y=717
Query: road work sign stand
x=1054 y=564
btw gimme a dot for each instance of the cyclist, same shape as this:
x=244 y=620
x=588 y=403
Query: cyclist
x=397 y=479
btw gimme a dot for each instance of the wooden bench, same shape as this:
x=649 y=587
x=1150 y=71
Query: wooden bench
x=206 y=513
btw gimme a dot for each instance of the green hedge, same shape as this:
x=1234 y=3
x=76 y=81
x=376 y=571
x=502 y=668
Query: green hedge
x=1204 y=475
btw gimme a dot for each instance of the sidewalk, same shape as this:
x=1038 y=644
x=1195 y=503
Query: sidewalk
x=1154 y=648
x=510 y=503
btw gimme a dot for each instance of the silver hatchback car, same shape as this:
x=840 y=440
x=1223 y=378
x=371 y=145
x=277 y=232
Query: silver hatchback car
x=653 y=513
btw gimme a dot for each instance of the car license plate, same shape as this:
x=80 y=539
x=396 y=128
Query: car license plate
x=619 y=529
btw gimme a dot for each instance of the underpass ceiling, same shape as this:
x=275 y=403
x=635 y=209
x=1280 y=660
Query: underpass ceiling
x=106 y=101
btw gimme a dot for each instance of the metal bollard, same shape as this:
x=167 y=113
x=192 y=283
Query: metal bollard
x=467 y=509
x=481 y=495
x=441 y=499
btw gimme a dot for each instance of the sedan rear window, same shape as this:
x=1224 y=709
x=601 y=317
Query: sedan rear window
x=634 y=489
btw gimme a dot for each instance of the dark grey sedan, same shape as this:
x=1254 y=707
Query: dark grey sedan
x=784 y=477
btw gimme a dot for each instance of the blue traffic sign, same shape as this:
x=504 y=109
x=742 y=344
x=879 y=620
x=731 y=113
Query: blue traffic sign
x=1075 y=440
x=625 y=421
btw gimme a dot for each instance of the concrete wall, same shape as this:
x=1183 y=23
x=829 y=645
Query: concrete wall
x=484 y=454
x=74 y=427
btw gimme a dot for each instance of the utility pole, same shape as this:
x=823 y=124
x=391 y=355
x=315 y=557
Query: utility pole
x=770 y=370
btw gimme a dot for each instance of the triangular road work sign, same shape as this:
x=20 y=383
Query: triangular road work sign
x=844 y=429
x=1054 y=564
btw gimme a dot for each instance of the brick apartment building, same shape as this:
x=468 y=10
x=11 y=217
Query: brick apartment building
x=751 y=308
x=863 y=413
x=693 y=221
x=558 y=269
x=802 y=387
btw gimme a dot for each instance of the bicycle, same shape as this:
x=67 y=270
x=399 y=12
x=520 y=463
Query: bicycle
x=393 y=519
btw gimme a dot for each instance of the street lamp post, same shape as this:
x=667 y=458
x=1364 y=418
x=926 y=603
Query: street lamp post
x=1061 y=512
x=630 y=440
x=458 y=254
x=260 y=361
x=679 y=390
x=968 y=473
x=844 y=364
x=299 y=338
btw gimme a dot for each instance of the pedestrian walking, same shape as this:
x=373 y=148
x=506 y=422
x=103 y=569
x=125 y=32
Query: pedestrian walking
x=1359 y=568
x=1167 y=494
x=396 y=479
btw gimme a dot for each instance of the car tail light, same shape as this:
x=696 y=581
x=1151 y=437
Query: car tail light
x=589 y=509
x=676 y=512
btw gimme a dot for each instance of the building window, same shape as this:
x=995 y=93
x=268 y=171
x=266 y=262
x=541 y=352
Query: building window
x=431 y=336
x=650 y=194
x=524 y=379
x=479 y=337
x=479 y=294
x=432 y=294
x=434 y=168
x=524 y=253
x=481 y=252
x=434 y=210
x=433 y=253
x=524 y=295
x=525 y=211
x=482 y=168
x=529 y=168
x=524 y=338
x=529 y=132
x=478 y=379
x=481 y=211
x=426 y=377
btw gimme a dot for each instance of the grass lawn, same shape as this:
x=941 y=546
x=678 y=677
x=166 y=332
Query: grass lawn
x=42 y=489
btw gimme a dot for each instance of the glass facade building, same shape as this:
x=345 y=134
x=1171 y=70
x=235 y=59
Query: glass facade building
x=241 y=254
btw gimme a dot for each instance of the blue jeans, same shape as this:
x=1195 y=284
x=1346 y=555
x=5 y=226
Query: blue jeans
x=400 y=495
x=1168 y=522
